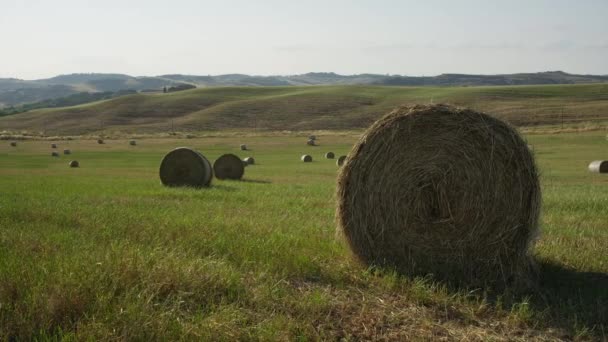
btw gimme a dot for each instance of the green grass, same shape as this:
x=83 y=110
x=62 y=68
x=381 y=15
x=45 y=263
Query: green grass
x=104 y=251
x=309 y=108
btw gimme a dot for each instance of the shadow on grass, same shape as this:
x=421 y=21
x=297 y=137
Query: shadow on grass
x=258 y=181
x=574 y=301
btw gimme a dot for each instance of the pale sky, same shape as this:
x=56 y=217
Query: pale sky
x=44 y=38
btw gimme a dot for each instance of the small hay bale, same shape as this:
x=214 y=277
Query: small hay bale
x=54 y=154
x=312 y=137
x=329 y=155
x=243 y=147
x=599 y=166
x=66 y=151
x=185 y=167
x=306 y=158
x=189 y=136
x=341 y=160
x=74 y=163
x=311 y=142
x=53 y=145
x=14 y=143
x=132 y=142
x=228 y=166
x=100 y=141
x=442 y=191
x=249 y=160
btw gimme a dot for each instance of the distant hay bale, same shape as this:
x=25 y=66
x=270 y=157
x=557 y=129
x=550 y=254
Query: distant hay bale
x=14 y=143
x=185 y=167
x=189 y=136
x=100 y=141
x=53 y=145
x=228 y=166
x=341 y=160
x=54 y=154
x=66 y=151
x=311 y=142
x=329 y=155
x=249 y=160
x=306 y=158
x=437 y=190
x=599 y=166
x=132 y=142
x=74 y=163
x=243 y=147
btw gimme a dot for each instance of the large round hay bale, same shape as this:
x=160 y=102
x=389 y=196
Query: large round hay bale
x=329 y=155
x=54 y=154
x=74 y=163
x=67 y=151
x=437 y=190
x=243 y=147
x=599 y=166
x=14 y=143
x=341 y=160
x=132 y=142
x=53 y=145
x=249 y=160
x=306 y=158
x=185 y=167
x=310 y=142
x=100 y=141
x=228 y=166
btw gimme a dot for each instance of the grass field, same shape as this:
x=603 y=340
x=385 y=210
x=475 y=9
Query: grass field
x=105 y=252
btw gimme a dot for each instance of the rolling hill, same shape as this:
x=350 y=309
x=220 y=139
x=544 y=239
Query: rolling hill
x=308 y=108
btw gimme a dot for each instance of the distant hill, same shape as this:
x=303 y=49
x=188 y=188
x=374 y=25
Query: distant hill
x=308 y=108
x=15 y=92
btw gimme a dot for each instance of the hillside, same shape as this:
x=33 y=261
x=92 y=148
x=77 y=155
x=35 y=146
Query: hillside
x=14 y=92
x=308 y=108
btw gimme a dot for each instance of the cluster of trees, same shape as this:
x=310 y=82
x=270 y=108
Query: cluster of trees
x=179 y=87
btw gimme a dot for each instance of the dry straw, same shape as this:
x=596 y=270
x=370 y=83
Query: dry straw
x=228 y=166
x=74 y=163
x=341 y=160
x=185 y=167
x=599 y=166
x=306 y=158
x=329 y=155
x=437 y=190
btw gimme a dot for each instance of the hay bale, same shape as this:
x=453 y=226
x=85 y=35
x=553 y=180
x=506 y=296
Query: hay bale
x=312 y=137
x=189 y=136
x=249 y=160
x=228 y=166
x=306 y=158
x=74 y=163
x=185 y=167
x=341 y=160
x=66 y=151
x=132 y=142
x=443 y=191
x=310 y=142
x=329 y=155
x=53 y=145
x=100 y=141
x=599 y=166
x=243 y=147
x=14 y=143
x=54 y=154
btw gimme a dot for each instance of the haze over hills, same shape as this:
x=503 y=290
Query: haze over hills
x=15 y=92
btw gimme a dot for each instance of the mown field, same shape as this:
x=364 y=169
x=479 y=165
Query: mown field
x=105 y=252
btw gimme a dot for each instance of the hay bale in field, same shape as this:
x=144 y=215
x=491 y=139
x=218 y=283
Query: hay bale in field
x=74 y=163
x=54 y=154
x=132 y=142
x=228 y=166
x=100 y=141
x=14 y=143
x=53 y=145
x=312 y=137
x=185 y=167
x=599 y=166
x=189 y=136
x=443 y=191
x=306 y=158
x=66 y=151
x=249 y=160
x=243 y=147
x=311 y=142
x=341 y=160
x=329 y=155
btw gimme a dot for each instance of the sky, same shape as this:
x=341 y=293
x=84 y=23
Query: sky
x=44 y=38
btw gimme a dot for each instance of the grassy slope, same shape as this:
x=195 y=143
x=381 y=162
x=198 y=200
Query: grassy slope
x=304 y=108
x=105 y=252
